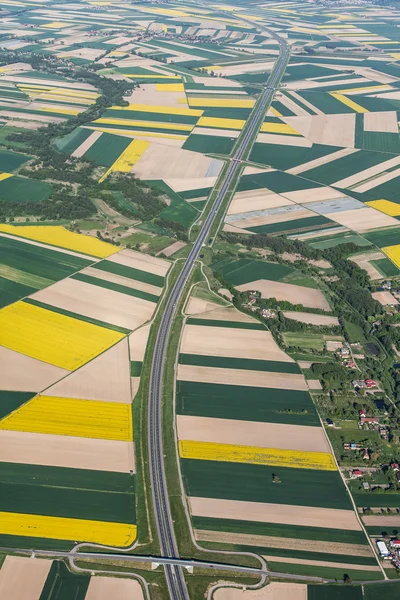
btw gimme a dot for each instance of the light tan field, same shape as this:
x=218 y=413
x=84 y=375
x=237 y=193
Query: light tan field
x=373 y=183
x=381 y=121
x=170 y=250
x=312 y=195
x=31 y=116
x=66 y=451
x=266 y=379
x=314 y=384
x=20 y=373
x=23 y=578
x=234 y=343
x=384 y=298
x=256 y=200
x=228 y=314
x=147 y=94
x=134 y=284
x=251 y=67
x=97 y=302
x=273 y=591
x=291 y=105
x=290 y=215
x=197 y=306
x=138 y=342
x=230 y=133
x=104 y=378
x=252 y=433
x=155 y=163
x=304 y=317
x=312 y=164
x=363 y=261
x=309 y=516
x=321 y=563
x=367 y=173
x=331 y=130
x=233 y=229
x=88 y=143
x=382 y=520
x=284 y=543
x=143 y=262
x=113 y=588
x=283 y=140
x=362 y=219
x=180 y=185
x=296 y=294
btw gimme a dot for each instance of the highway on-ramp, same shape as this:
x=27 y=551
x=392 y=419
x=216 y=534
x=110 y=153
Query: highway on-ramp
x=165 y=526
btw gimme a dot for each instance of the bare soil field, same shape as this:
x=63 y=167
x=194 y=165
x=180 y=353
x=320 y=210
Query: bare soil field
x=23 y=578
x=37 y=375
x=296 y=294
x=312 y=195
x=362 y=219
x=330 y=130
x=138 y=342
x=143 y=262
x=197 y=306
x=310 y=318
x=321 y=563
x=385 y=298
x=113 y=588
x=104 y=378
x=282 y=381
x=228 y=314
x=180 y=185
x=251 y=200
x=255 y=219
x=252 y=433
x=170 y=250
x=235 y=343
x=314 y=384
x=155 y=163
x=363 y=261
x=66 y=451
x=98 y=303
x=309 y=516
x=381 y=121
x=273 y=591
x=284 y=543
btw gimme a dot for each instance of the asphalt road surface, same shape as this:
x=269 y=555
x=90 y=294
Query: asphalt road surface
x=165 y=526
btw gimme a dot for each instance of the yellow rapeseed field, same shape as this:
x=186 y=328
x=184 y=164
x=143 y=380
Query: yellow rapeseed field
x=386 y=206
x=74 y=417
x=344 y=100
x=393 y=252
x=4 y=176
x=128 y=158
x=162 y=110
x=149 y=124
x=220 y=103
x=62 y=238
x=60 y=528
x=52 y=337
x=221 y=123
x=282 y=128
x=170 y=87
x=274 y=457
x=61 y=110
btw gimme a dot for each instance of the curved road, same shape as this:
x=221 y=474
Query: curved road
x=165 y=526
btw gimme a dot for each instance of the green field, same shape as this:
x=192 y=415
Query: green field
x=326 y=592
x=9 y=161
x=390 y=591
x=23 y=190
x=239 y=363
x=386 y=267
x=130 y=272
x=244 y=270
x=229 y=324
x=116 y=287
x=61 y=584
x=313 y=341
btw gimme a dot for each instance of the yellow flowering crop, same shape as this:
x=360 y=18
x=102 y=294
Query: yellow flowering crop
x=170 y=87
x=4 y=176
x=74 y=417
x=274 y=457
x=61 y=237
x=344 y=100
x=60 y=528
x=386 y=206
x=52 y=337
x=221 y=123
x=220 y=102
x=393 y=252
x=61 y=110
x=128 y=158
x=278 y=128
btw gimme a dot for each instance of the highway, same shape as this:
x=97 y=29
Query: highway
x=165 y=526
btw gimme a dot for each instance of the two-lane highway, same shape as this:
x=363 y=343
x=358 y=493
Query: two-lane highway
x=165 y=526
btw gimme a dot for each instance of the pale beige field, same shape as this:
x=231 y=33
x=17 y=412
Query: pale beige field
x=373 y=183
x=273 y=591
x=88 y=143
x=113 y=588
x=252 y=433
x=363 y=261
x=353 y=180
x=257 y=220
x=323 y=160
x=234 y=343
x=143 y=262
x=197 y=306
x=233 y=229
x=256 y=200
x=312 y=195
x=362 y=219
x=134 y=284
x=172 y=249
x=309 y=516
x=382 y=520
x=227 y=314
x=138 y=342
x=310 y=318
x=283 y=543
x=156 y=163
x=331 y=130
x=66 y=451
x=314 y=384
x=321 y=563
x=104 y=378
x=24 y=374
x=282 y=381
x=147 y=94
x=97 y=302
x=284 y=140
x=180 y=185
x=230 y=133
x=381 y=121
x=23 y=578
x=292 y=106
x=296 y=294
x=384 y=298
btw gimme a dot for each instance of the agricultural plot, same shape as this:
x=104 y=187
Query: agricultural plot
x=261 y=472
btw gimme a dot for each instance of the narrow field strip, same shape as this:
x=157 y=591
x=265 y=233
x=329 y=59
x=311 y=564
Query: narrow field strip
x=74 y=417
x=254 y=455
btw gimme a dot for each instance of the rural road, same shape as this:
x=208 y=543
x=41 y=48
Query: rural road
x=165 y=526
